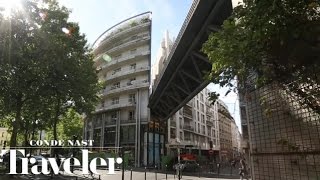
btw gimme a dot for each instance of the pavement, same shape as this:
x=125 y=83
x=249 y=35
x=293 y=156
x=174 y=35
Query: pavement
x=117 y=176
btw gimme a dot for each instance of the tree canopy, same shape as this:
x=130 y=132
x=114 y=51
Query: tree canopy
x=45 y=67
x=275 y=40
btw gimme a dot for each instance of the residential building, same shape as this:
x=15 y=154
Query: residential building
x=122 y=59
x=196 y=126
x=225 y=120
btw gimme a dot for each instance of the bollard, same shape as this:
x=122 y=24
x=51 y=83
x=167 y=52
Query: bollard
x=218 y=165
x=156 y=172
x=131 y=174
x=145 y=173
x=174 y=175
x=99 y=177
x=166 y=173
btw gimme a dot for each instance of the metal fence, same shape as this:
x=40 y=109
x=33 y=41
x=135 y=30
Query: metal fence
x=284 y=133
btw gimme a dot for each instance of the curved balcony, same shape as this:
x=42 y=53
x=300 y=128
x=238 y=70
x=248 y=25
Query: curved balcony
x=123 y=60
x=122 y=27
x=138 y=41
x=123 y=103
x=125 y=72
x=126 y=87
x=127 y=32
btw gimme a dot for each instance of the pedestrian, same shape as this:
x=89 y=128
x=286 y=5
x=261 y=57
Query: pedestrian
x=243 y=169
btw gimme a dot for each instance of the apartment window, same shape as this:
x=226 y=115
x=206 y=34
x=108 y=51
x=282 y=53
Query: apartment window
x=131 y=81
x=114 y=116
x=2 y=134
x=115 y=100
x=133 y=66
x=102 y=105
x=116 y=70
x=132 y=98
x=202 y=118
x=198 y=116
x=202 y=107
x=116 y=85
x=201 y=97
x=131 y=115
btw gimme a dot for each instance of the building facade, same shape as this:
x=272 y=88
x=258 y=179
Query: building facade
x=225 y=131
x=123 y=61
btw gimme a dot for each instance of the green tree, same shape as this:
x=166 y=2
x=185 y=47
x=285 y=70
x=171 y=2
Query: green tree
x=70 y=124
x=277 y=40
x=45 y=67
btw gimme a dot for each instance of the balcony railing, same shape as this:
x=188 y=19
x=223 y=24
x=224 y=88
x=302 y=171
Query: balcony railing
x=124 y=58
x=128 y=121
x=173 y=123
x=126 y=87
x=188 y=127
x=108 y=41
x=123 y=28
x=187 y=116
x=127 y=71
x=129 y=43
x=209 y=123
x=116 y=105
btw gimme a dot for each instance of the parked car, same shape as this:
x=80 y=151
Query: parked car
x=188 y=166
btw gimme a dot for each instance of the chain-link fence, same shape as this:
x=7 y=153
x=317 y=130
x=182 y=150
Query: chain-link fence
x=284 y=132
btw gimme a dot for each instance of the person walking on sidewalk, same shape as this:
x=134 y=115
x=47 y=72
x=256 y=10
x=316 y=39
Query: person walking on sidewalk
x=243 y=169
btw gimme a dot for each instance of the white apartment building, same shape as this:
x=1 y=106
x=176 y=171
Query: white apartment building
x=123 y=61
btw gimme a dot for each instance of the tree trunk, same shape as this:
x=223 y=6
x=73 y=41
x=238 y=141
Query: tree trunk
x=26 y=134
x=55 y=122
x=16 y=123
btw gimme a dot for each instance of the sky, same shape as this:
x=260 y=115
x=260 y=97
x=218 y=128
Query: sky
x=96 y=16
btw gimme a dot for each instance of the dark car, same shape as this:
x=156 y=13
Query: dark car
x=188 y=166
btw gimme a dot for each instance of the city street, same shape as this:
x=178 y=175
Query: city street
x=117 y=176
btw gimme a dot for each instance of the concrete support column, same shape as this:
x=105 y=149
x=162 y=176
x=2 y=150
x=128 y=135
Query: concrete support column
x=102 y=131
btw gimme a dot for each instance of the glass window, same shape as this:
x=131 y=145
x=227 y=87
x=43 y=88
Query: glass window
x=115 y=100
x=127 y=134
x=110 y=135
x=131 y=115
x=116 y=85
x=133 y=66
x=116 y=70
x=114 y=116
x=132 y=98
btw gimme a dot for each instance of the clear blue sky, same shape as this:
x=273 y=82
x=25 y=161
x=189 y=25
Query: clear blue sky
x=95 y=16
